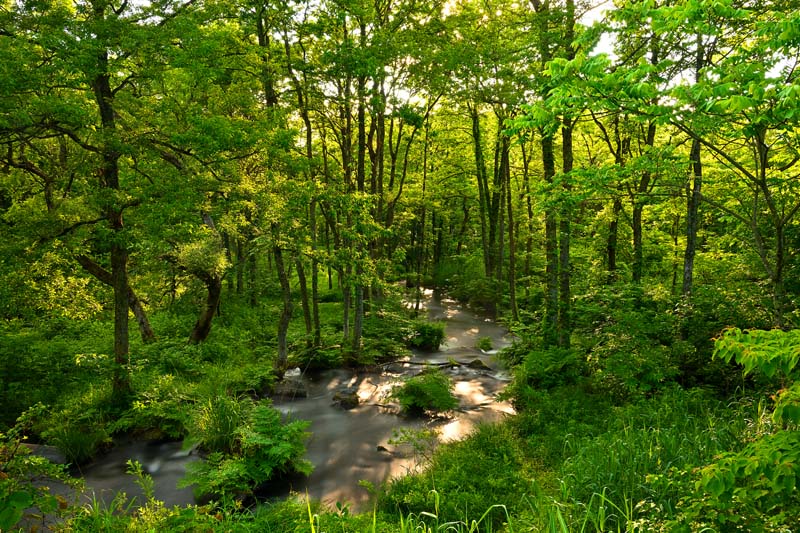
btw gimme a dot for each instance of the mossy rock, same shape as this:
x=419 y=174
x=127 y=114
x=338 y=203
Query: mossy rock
x=346 y=399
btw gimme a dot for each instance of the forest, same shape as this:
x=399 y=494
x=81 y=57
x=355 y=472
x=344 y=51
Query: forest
x=199 y=197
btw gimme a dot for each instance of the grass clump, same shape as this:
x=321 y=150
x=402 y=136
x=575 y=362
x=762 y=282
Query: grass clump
x=430 y=390
x=487 y=468
x=247 y=444
x=426 y=336
x=484 y=344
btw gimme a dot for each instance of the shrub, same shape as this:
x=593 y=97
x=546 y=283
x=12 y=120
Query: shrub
x=549 y=368
x=754 y=487
x=78 y=442
x=427 y=336
x=158 y=411
x=21 y=474
x=632 y=354
x=484 y=344
x=484 y=469
x=259 y=447
x=431 y=390
x=213 y=424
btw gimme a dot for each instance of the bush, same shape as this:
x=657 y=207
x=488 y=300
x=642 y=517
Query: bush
x=213 y=424
x=21 y=474
x=486 y=468
x=431 y=390
x=545 y=369
x=427 y=336
x=79 y=443
x=159 y=411
x=258 y=447
x=484 y=344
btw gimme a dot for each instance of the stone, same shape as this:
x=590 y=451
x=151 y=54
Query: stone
x=291 y=387
x=477 y=364
x=346 y=399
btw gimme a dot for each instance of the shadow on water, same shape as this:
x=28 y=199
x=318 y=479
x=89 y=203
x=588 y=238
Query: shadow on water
x=348 y=446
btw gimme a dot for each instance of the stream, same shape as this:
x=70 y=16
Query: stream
x=346 y=446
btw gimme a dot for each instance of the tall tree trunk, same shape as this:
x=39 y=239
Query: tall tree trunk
x=526 y=191
x=240 y=264
x=565 y=235
x=286 y=311
x=565 y=229
x=483 y=190
x=694 y=195
x=252 y=279
x=512 y=247
x=692 y=218
x=304 y=299
x=421 y=244
x=550 y=251
x=640 y=200
x=613 y=240
x=302 y=104
x=109 y=173
x=643 y=187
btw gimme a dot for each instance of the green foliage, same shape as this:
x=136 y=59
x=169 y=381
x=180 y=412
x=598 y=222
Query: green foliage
x=158 y=410
x=544 y=369
x=79 y=426
x=123 y=514
x=427 y=336
x=641 y=458
x=755 y=486
x=484 y=344
x=214 y=421
x=78 y=442
x=259 y=447
x=770 y=352
x=486 y=467
x=465 y=279
x=430 y=390
x=20 y=470
x=53 y=355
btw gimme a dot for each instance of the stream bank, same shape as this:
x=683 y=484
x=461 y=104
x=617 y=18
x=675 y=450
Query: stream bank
x=346 y=445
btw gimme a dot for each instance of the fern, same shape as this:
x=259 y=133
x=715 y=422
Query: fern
x=263 y=446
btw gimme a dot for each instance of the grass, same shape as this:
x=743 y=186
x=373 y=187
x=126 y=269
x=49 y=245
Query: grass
x=572 y=460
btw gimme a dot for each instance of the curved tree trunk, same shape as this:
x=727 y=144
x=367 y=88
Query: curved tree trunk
x=104 y=276
x=202 y=327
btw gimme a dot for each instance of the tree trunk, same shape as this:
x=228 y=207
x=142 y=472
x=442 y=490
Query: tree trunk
x=240 y=263
x=512 y=246
x=286 y=311
x=301 y=276
x=551 y=251
x=565 y=235
x=692 y=218
x=213 y=283
x=483 y=191
x=252 y=279
x=104 y=276
x=109 y=177
x=639 y=202
x=694 y=195
x=613 y=239
x=421 y=245
x=526 y=190
x=202 y=327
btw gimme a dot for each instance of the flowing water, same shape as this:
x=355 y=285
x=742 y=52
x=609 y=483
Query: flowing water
x=348 y=446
